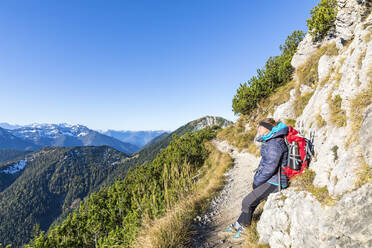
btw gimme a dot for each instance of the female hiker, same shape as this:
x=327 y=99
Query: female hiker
x=274 y=153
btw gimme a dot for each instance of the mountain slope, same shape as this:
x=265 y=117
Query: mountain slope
x=149 y=151
x=138 y=138
x=112 y=217
x=47 y=183
x=68 y=136
x=6 y=125
x=9 y=154
x=9 y=141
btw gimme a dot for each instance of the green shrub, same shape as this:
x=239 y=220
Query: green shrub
x=322 y=19
x=335 y=153
x=276 y=72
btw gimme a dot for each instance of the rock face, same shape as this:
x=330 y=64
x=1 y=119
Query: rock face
x=365 y=136
x=342 y=76
x=297 y=219
x=208 y=121
x=285 y=111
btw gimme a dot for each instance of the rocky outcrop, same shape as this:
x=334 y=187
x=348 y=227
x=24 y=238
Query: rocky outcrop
x=365 y=136
x=350 y=14
x=301 y=221
x=342 y=76
x=209 y=121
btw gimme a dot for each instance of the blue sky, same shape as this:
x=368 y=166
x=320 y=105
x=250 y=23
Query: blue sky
x=136 y=65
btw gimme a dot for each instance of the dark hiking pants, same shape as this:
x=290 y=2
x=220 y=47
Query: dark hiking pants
x=251 y=201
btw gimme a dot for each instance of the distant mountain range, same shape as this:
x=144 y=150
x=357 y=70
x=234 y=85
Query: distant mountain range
x=10 y=141
x=137 y=138
x=35 y=136
x=6 y=125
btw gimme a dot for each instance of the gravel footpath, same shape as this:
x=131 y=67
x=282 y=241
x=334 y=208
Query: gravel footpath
x=225 y=208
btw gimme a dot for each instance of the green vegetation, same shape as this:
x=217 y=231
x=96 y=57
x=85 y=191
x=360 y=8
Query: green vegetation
x=8 y=246
x=335 y=154
x=338 y=115
x=113 y=216
x=6 y=155
x=236 y=134
x=277 y=72
x=322 y=19
x=156 y=232
x=64 y=176
x=52 y=184
x=305 y=182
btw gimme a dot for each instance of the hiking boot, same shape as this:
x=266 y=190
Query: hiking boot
x=238 y=237
x=230 y=230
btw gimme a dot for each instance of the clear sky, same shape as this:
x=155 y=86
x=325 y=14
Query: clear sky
x=136 y=65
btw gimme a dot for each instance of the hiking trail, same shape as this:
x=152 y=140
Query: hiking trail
x=225 y=207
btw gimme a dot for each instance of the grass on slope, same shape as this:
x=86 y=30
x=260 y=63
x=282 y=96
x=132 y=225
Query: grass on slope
x=305 y=182
x=173 y=230
x=251 y=236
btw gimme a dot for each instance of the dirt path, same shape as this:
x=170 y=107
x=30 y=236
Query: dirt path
x=226 y=206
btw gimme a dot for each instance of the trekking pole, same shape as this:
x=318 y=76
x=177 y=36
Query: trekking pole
x=279 y=181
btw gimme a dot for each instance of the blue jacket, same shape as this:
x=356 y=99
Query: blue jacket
x=274 y=152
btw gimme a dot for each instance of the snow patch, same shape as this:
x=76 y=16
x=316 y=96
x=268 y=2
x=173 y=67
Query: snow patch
x=16 y=167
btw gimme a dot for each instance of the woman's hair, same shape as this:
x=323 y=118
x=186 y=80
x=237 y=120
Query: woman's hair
x=268 y=122
x=271 y=121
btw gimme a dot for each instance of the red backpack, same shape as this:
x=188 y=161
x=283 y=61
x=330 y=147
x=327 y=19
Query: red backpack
x=300 y=152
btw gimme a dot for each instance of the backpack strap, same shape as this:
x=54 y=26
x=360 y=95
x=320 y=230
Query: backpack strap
x=279 y=177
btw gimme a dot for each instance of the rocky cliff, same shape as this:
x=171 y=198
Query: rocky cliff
x=333 y=80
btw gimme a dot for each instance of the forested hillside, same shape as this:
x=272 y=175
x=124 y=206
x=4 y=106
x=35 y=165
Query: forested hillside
x=6 y=154
x=45 y=184
x=113 y=216
x=149 y=152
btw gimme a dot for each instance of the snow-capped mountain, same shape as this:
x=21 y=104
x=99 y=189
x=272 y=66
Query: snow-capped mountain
x=6 y=125
x=34 y=131
x=10 y=141
x=68 y=135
